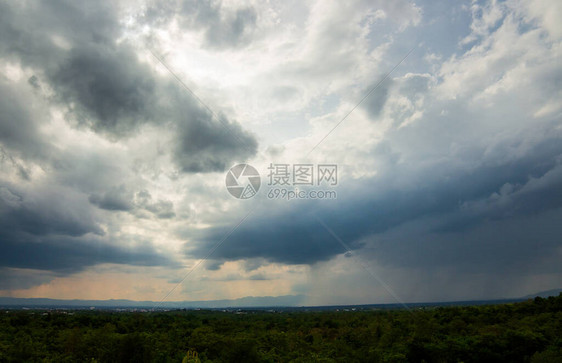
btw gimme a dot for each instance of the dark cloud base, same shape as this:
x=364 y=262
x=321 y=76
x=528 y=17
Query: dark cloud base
x=454 y=211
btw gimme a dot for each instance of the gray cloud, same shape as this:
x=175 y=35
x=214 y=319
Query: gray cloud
x=204 y=144
x=378 y=97
x=57 y=231
x=292 y=239
x=469 y=186
x=7 y=159
x=49 y=212
x=213 y=265
x=22 y=278
x=115 y=93
x=71 y=255
x=163 y=209
x=30 y=30
x=79 y=64
x=105 y=87
x=455 y=202
x=18 y=131
x=118 y=199
x=221 y=29
x=517 y=246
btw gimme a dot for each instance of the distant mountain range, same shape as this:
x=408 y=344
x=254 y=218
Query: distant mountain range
x=245 y=302
x=546 y=293
x=249 y=301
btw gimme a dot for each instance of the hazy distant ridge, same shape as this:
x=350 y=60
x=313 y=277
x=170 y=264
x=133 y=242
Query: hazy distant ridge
x=249 y=301
x=547 y=293
x=246 y=302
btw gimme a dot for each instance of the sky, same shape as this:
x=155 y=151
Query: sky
x=119 y=121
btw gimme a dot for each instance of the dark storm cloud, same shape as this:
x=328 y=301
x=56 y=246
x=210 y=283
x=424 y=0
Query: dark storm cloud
x=57 y=232
x=292 y=239
x=105 y=87
x=22 y=279
x=515 y=246
x=73 y=48
x=209 y=145
x=50 y=212
x=77 y=62
x=115 y=92
x=66 y=255
x=457 y=201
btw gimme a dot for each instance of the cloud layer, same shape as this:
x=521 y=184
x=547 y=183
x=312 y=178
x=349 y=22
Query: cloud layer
x=118 y=121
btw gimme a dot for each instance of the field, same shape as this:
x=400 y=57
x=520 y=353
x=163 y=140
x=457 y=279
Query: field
x=529 y=331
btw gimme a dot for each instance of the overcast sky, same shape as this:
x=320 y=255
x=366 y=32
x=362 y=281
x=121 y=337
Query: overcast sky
x=112 y=173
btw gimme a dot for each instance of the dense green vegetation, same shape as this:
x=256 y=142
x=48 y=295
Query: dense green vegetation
x=530 y=331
